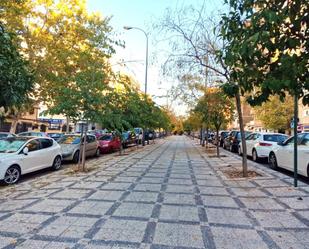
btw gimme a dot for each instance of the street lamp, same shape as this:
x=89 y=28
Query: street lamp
x=146 y=68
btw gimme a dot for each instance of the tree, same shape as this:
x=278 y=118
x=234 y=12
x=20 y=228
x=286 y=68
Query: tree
x=267 y=49
x=217 y=108
x=16 y=79
x=198 y=51
x=275 y=114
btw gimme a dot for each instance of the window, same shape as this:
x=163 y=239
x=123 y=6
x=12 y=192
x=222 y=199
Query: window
x=305 y=140
x=46 y=143
x=250 y=137
x=90 y=139
x=275 y=138
x=33 y=145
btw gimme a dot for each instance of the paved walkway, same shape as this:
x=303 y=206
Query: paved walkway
x=168 y=195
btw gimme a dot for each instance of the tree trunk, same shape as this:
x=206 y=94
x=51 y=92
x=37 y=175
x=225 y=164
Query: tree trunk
x=201 y=136
x=68 y=124
x=84 y=153
x=242 y=132
x=207 y=130
x=217 y=142
x=14 y=123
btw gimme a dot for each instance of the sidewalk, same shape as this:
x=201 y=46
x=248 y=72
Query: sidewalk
x=167 y=195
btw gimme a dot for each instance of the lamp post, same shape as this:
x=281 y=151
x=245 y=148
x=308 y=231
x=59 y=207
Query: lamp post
x=146 y=60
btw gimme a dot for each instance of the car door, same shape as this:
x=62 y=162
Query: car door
x=33 y=160
x=48 y=152
x=303 y=155
x=91 y=145
x=249 y=140
x=285 y=153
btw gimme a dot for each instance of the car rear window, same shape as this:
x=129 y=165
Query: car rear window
x=106 y=138
x=275 y=138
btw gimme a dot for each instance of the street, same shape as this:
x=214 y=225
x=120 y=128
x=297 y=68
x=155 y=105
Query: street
x=166 y=195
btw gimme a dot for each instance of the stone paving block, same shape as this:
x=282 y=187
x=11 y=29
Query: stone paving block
x=248 y=192
x=278 y=219
x=71 y=193
x=33 y=244
x=227 y=216
x=87 y=184
x=92 y=207
x=180 y=181
x=295 y=202
x=11 y=205
x=179 y=213
x=286 y=191
x=50 y=205
x=67 y=226
x=240 y=184
x=22 y=223
x=178 y=235
x=6 y=241
x=213 y=191
x=151 y=180
x=232 y=238
x=107 y=195
x=180 y=189
x=116 y=186
x=290 y=239
x=142 y=197
x=122 y=230
x=180 y=199
x=209 y=183
x=148 y=187
x=180 y=176
x=140 y=210
x=260 y=203
x=219 y=201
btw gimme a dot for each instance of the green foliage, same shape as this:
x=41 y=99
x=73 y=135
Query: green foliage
x=275 y=114
x=16 y=80
x=266 y=47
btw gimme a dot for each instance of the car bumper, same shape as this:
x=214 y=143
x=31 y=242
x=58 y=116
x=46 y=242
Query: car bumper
x=67 y=156
x=263 y=152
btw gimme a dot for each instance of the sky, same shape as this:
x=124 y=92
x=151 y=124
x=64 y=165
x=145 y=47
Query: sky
x=142 y=14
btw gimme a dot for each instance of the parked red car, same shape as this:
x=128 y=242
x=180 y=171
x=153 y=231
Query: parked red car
x=109 y=143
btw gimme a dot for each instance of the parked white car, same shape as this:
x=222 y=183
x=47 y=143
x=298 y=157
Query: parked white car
x=22 y=155
x=260 y=144
x=283 y=155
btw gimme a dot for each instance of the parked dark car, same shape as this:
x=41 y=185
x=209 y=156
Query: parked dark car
x=149 y=135
x=222 y=136
x=129 y=138
x=232 y=140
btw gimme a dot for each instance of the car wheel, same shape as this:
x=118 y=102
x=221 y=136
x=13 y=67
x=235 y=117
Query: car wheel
x=273 y=161
x=57 y=163
x=255 y=156
x=76 y=157
x=12 y=175
x=97 y=152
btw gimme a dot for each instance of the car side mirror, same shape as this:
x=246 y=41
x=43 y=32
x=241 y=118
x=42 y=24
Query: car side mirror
x=25 y=151
x=281 y=143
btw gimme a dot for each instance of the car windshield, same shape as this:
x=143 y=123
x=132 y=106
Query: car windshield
x=275 y=138
x=70 y=139
x=106 y=138
x=224 y=133
x=12 y=144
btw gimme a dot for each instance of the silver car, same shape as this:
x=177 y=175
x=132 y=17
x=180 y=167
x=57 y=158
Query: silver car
x=70 y=147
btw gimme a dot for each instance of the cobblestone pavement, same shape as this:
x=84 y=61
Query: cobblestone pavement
x=168 y=195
